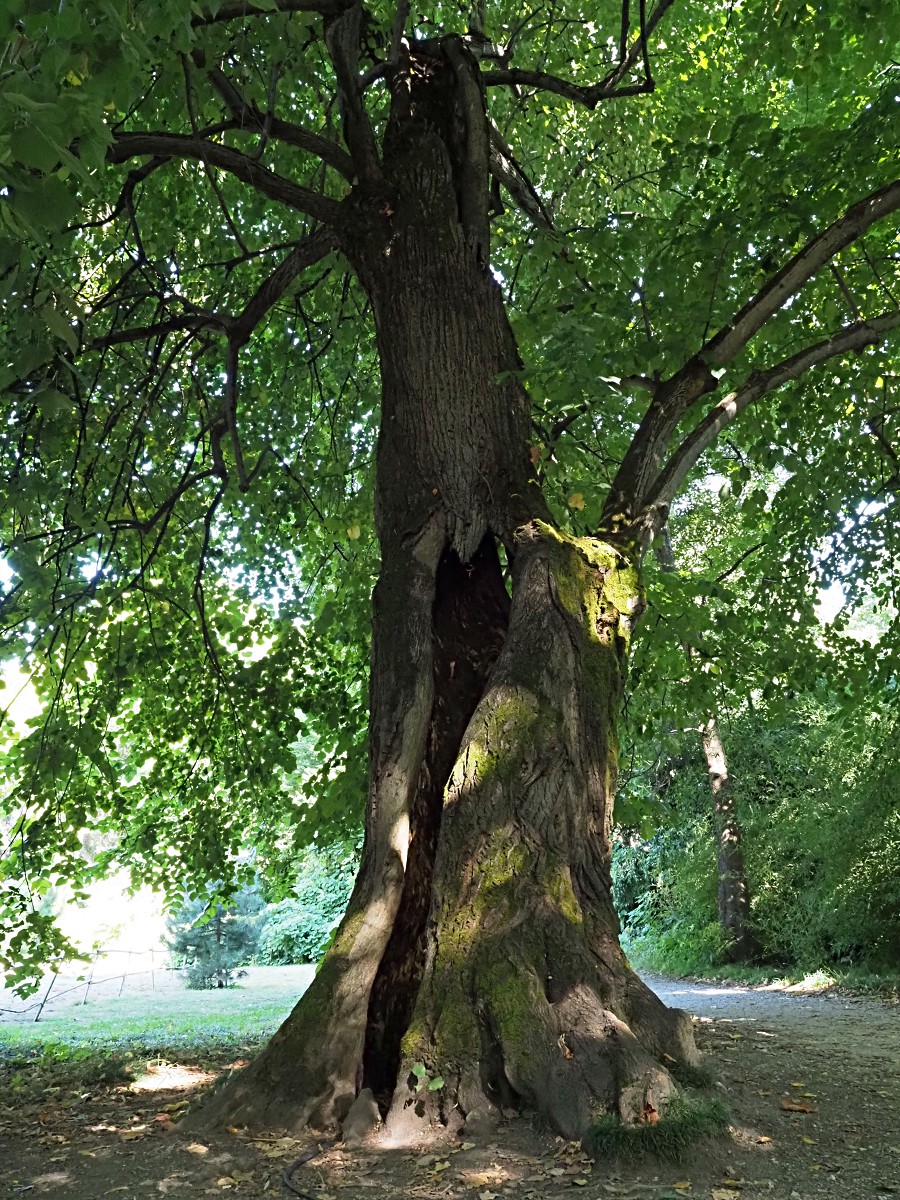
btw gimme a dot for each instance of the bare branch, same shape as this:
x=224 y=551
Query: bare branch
x=133 y=178
x=760 y=383
x=276 y=187
x=729 y=342
x=590 y=97
x=250 y=117
x=845 y=291
x=741 y=558
x=608 y=88
x=640 y=46
x=237 y=329
x=305 y=254
x=194 y=321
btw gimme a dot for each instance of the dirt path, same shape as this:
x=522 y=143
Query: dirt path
x=838 y=1056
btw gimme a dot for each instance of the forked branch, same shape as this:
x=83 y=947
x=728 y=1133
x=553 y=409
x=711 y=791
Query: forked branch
x=610 y=86
x=729 y=342
x=249 y=116
x=852 y=338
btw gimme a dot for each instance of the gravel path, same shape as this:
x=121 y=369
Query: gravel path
x=838 y=1055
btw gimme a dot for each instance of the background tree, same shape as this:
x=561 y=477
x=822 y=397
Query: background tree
x=211 y=941
x=264 y=198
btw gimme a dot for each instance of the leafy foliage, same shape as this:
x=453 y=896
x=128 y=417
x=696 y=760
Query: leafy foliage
x=298 y=930
x=188 y=592
x=817 y=798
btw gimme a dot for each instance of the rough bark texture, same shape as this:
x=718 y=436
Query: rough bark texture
x=733 y=898
x=480 y=940
x=527 y=999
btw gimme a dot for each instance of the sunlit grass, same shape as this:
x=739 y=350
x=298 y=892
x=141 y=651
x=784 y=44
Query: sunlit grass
x=151 y=1021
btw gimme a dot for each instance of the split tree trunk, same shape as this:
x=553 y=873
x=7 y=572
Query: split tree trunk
x=480 y=940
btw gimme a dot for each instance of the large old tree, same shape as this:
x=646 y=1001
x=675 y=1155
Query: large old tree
x=679 y=213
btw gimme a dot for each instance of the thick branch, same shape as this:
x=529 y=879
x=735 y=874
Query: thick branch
x=729 y=342
x=342 y=40
x=234 y=12
x=175 y=145
x=852 y=337
x=475 y=169
x=644 y=457
x=250 y=117
x=507 y=171
x=142 y=333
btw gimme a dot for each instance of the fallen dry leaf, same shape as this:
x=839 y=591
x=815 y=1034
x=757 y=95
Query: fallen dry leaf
x=797 y=1106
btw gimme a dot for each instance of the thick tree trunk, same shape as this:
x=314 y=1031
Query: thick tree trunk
x=480 y=940
x=733 y=898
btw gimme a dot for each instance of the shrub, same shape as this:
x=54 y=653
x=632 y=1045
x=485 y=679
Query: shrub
x=298 y=930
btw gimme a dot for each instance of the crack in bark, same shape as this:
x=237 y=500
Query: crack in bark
x=470 y=617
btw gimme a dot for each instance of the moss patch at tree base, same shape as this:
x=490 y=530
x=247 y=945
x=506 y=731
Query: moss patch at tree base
x=687 y=1120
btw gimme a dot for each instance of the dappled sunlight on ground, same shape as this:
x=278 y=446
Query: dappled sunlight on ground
x=165 y=1076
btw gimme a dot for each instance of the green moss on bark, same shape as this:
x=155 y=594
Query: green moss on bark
x=493 y=752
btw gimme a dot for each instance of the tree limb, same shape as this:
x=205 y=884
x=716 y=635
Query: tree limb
x=590 y=96
x=851 y=338
x=507 y=171
x=142 y=333
x=305 y=254
x=276 y=187
x=728 y=342
x=250 y=117
x=609 y=87
x=342 y=40
x=234 y=12
x=401 y=16
x=476 y=166
x=640 y=47
x=640 y=467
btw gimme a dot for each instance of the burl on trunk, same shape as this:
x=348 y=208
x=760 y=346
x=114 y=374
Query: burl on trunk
x=480 y=946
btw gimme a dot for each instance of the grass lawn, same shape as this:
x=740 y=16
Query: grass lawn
x=146 y=1019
